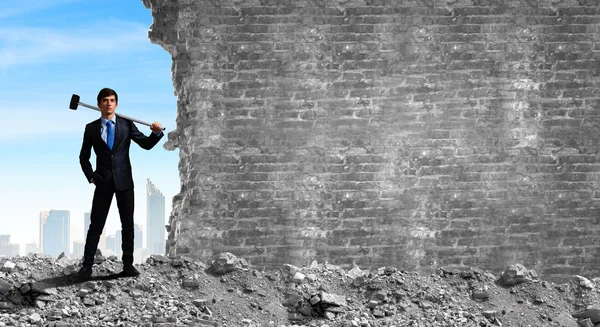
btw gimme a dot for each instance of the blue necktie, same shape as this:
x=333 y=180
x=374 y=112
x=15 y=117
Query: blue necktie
x=110 y=134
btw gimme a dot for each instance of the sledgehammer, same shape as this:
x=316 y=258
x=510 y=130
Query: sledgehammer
x=75 y=102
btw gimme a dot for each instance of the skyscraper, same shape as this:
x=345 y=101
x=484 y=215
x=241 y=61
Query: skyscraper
x=138 y=236
x=86 y=223
x=155 y=219
x=55 y=229
x=43 y=216
x=118 y=242
x=78 y=247
x=110 y=245
x=102 y=242
x=31 y=248
x=8 y=249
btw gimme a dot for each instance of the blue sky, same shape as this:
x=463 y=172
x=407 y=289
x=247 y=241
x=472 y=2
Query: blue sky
x=50 y=50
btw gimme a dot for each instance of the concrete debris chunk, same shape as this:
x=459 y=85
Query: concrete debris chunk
x=5 y=287
x=329 y=315
x=298 y=277
x=359 y=281
x=177 y=263
x=378 y=313
x=584 y=282
x=586 y=323
x=191 y=283
x=315 y=299
x=387 y=271
x=480 y=294
x=35 y=318
x=226 y=262
x=355 y=272
x=517 y=274
x=99 y=258
x=333 y=299
x=158 y=258
x=89 y=302
x=199 y=302
x=291 y=270
x=8 y=266
x=490 y=313
x=25 y=288
x=593 y=314
x=83 y=292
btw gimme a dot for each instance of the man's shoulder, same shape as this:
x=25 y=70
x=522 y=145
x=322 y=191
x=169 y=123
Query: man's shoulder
x=92 y=123
x=120 y=119
x=89 y=127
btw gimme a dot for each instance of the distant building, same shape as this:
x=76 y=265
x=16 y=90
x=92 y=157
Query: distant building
x=140 y=255
x=155 y=219
x=8 y=249
x=110 y=245
x=102 y=242
x=43 y=216
x=31 y=248
x=138 y=236
x=86 y=224
x=55 y=232
x=118 y=242
x=78 y=249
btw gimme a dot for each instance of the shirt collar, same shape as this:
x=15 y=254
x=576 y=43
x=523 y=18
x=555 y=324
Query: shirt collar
x=104 y=120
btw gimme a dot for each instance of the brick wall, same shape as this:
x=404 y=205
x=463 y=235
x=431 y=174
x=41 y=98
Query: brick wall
x=380 y=132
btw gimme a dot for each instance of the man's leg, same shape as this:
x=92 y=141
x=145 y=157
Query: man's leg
x=100 y=207
x=125 y=202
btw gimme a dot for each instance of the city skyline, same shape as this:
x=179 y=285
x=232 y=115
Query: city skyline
x=49 y=52
x=55 y=237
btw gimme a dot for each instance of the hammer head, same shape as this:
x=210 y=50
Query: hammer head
x=74 y=102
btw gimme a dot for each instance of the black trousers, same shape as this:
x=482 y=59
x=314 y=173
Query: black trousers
x=103 y=196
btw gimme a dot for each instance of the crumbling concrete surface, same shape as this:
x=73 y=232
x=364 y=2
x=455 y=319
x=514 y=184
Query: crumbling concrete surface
x=179 y=291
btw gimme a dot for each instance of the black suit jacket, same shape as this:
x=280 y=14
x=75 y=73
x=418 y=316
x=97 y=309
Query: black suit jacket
x=113 y=164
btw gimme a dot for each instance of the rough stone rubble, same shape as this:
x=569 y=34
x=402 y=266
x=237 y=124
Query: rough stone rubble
x=38 y=290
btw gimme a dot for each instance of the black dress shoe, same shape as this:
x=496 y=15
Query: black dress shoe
x=84 y=273
x=129 y=271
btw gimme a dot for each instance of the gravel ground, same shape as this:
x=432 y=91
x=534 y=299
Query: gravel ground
x=38 y=290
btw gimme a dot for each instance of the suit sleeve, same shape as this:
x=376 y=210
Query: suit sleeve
x=145 y=142
x=85 y=154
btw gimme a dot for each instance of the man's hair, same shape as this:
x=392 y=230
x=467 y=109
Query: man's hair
x=106 y=92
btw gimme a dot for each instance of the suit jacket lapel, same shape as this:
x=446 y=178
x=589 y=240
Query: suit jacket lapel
x=121 y=131
x=98 y=132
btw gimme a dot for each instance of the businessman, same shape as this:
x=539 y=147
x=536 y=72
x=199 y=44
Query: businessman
x=110 y=136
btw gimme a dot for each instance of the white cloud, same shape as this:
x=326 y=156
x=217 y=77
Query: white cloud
x=15 y=8
x=32 y=45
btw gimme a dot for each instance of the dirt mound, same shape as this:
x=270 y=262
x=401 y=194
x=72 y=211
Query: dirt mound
x=38 y=290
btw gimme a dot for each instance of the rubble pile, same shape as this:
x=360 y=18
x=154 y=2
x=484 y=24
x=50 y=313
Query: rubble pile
x=38 y=290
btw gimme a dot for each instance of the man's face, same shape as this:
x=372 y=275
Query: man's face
x=108 y=105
